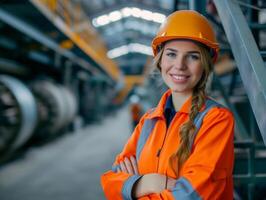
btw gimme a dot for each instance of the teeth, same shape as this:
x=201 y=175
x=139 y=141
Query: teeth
x=178 y=77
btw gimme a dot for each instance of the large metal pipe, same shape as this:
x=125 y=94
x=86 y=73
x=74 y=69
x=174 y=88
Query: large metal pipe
x=70 y=104
x=57 y=107
x=17 y=98
x=51 y=108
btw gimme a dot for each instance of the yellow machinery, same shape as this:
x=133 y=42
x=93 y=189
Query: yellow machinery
x=69 y=17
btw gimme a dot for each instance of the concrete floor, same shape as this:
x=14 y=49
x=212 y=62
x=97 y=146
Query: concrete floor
x=70 y=167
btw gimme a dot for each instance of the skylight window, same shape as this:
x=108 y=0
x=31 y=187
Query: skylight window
x=128 y=12
x=158 y=17
x=102 y=20
x=115 y=16
x=147 y=15
x=136 y=12
x=130 y=48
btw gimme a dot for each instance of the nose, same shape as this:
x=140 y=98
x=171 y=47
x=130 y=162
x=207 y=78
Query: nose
x=180 y=62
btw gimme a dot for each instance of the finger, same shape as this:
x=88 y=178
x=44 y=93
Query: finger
x=134 y=164
x=118 y=169
x=128 y=166
x=123 y=167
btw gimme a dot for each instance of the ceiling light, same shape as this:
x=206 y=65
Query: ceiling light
x=147 y=15
x=130 y=48
x=103 y=20
x=119 y=51
x=127 y=12
x=136 y=12
x=94 y=22
x=115 y=16
x=158 y=17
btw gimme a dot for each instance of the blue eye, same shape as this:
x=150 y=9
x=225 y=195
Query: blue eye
x=171 y=54
x=193 y=57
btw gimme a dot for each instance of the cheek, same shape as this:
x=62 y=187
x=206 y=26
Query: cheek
x=198 y=70
x=164 y=72
x=165 y=65
x=198 y=74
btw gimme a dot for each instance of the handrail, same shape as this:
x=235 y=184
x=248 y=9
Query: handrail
x=247 y=57
x=242 y=134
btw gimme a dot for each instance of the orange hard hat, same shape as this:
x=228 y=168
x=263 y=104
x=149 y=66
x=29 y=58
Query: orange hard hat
x=187 y=24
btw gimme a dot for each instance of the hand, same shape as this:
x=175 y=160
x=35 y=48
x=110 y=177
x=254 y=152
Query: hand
x=129 y=165
x=170 y=183
x=152 y=183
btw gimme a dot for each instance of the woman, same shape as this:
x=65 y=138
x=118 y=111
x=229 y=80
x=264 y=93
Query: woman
x=182 y=149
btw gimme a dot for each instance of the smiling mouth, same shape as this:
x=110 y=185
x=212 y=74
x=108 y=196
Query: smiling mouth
x=180 y=77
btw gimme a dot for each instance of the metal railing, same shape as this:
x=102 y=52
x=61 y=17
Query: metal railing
x=247 y=56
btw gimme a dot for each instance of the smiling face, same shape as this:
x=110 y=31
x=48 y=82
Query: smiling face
x=181 y=66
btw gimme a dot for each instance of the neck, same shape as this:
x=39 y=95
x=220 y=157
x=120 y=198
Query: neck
x=179 y=99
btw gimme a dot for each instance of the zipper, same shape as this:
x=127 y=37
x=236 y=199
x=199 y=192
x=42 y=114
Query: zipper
x=160 y=149
x=167 y=130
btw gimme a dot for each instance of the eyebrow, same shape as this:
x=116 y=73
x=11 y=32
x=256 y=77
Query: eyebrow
x=174 y=50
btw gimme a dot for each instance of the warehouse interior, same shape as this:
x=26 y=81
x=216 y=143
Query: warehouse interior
x=70 y=71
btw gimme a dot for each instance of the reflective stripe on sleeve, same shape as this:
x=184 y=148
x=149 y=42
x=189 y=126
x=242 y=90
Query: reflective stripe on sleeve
x=114 y=168
x=128 y=185
x=184 y=190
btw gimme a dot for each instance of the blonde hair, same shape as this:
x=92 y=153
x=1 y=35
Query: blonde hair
x=198 y=99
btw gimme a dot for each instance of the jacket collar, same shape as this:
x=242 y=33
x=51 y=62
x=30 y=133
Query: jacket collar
x=159 y=110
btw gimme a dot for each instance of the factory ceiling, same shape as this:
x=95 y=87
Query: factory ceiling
x=128 y=27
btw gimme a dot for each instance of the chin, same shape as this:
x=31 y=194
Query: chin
x=178 y=90
x=181 y=91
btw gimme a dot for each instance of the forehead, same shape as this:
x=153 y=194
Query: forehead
x=182 y=45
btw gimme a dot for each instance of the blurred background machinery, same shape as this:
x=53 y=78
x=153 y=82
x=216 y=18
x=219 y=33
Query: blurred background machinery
x=55 y=73
x=65 y=64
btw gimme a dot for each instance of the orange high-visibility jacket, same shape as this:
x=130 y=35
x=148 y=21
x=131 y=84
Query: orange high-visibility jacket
x=207 y=174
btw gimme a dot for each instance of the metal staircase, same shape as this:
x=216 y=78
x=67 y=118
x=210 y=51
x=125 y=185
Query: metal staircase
x=247 y=56
x=240 y=23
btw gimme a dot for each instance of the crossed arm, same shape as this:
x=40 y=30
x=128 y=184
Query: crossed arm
x=200 y=177
x=148 y=183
